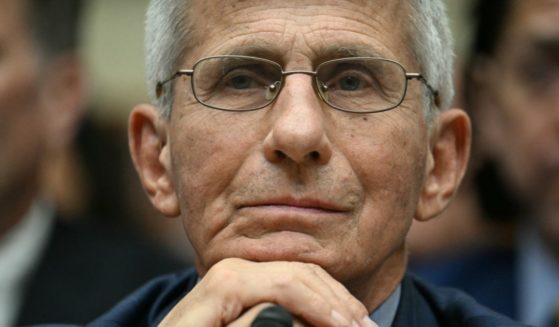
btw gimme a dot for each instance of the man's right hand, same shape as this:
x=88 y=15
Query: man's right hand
x=232 y=287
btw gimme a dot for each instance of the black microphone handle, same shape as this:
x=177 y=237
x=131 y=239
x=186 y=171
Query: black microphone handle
x=273 y=316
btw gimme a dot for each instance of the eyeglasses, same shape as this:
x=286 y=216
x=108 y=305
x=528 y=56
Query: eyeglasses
x=244 y=83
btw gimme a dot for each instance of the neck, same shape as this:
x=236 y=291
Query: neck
x=372 y=290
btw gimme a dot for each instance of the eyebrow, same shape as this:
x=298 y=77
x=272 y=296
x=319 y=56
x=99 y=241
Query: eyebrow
x=267 y=50
x=349 y=50
x=258 y=48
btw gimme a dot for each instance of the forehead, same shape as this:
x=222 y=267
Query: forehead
x=299 y=31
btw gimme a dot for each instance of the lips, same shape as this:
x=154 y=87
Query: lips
x=296 y=204
x=301 y=215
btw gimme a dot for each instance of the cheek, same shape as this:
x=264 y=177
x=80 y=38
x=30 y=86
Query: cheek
x=393 y=182
x=389 y=155
x=391 y=170
x=208 y=148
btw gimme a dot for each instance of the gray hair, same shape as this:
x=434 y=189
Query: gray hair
x=433 y=48
x=167 y=32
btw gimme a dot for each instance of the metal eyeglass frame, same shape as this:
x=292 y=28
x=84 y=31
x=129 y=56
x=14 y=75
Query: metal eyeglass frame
x=318 y=87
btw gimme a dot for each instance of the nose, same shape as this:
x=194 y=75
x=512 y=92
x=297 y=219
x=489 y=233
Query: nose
x=298 y=131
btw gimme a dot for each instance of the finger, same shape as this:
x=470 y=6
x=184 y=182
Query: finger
x=356 y=308
x=332 y=291
x=195 y=309
x=235 y=285
x=347 y=310
x=248 y=317
x=298 y=288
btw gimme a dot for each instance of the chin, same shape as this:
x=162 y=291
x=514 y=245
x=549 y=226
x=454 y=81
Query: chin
x=280 y=246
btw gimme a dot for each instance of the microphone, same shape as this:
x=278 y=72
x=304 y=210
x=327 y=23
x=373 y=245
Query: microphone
x=273 y=316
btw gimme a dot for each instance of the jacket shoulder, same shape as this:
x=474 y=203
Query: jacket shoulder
x=438 y=306
x=148 y=305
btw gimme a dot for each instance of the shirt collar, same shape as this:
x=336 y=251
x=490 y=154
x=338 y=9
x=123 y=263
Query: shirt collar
x=384 y=315
x=538 y=279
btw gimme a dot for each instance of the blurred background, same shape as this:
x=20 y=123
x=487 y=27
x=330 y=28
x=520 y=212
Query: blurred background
x=469 y=243
x=488 y=242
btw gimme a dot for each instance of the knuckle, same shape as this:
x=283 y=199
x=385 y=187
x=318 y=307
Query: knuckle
x=285 y=281
x=314 y=267
x=307 y=268
x=223 y=270
x=357 y=307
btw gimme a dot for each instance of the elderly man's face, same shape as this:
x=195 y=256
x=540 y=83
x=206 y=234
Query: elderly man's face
x=21 y=131
x=298 y=180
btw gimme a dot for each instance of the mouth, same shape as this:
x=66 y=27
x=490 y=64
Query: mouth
x=305 y=215
x=296 y=205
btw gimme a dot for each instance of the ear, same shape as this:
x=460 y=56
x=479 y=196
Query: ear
x=147 y=139
x=446 y=163
x=62 y=97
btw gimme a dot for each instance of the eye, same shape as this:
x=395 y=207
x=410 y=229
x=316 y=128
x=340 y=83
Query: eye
x=350 y=76
x=241 y=79
x=241 y=82
x=352 y=80
x=247 y=77
x=350 y=83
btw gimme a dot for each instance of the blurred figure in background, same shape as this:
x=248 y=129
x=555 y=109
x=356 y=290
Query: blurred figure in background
x=51 y=270
x=512 y=94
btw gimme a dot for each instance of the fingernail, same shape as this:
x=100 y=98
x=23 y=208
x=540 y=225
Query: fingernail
x=339 y=319
x=367 y=322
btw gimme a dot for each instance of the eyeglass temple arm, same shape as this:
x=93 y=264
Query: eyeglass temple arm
x=419 y=77
x=159 y=86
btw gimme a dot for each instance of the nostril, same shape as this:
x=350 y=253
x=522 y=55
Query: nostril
x=280 y=155
x=315 y=155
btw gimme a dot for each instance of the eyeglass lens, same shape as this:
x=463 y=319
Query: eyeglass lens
x=351 y=84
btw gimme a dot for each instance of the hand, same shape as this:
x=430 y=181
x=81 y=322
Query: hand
x=233 y=286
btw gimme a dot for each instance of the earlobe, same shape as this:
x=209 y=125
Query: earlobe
x=446 y=162
x=150 y=153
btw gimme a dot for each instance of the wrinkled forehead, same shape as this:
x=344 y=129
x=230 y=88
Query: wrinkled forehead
x=306 y=29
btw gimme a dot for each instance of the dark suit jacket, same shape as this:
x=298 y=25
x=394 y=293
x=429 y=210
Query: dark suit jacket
x=85 y=270
x=488 y=274
x=421 y=305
